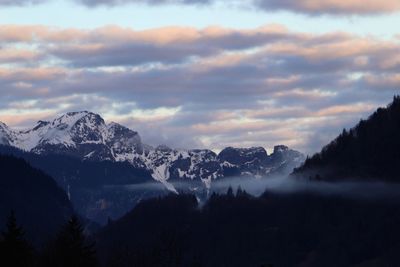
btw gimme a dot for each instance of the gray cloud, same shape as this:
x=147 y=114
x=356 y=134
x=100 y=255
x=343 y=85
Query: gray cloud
x=20 y=2
x=315 y=7
x=334 y=7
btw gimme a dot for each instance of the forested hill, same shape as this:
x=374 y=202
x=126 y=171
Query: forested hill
x=40 y=206
x=370 y=150
x=240 y=230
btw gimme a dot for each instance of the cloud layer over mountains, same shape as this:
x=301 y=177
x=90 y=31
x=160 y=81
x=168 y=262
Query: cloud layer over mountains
x=189 y=87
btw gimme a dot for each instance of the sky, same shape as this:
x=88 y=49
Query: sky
x=202 y=73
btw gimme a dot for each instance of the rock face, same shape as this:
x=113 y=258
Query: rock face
x=85 y=135
x=4 y=134
x=256 y=161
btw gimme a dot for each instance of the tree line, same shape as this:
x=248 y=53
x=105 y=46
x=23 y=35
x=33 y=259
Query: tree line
x=370 y=150
x=70 y=248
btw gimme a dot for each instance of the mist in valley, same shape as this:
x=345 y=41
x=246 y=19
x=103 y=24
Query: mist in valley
x=256 y=186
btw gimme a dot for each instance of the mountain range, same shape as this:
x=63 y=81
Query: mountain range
x=330 y=223
x=85 y=135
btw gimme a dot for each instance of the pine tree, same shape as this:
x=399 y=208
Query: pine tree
x=71 y=248
x=15 y=251
x=239 y=191
x=229 y=193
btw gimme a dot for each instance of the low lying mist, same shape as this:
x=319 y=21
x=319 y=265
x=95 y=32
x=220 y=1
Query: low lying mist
x=115 y=200
x=288 y=185
x=278 y=184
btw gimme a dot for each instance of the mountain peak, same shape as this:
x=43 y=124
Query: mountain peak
x=4 y=134
x=280 y=148
x=3 y=126
x=85 y=135
x=114 y=124
x=40 y=124
x=73 y=113
x=71 y=118
x=236 y=156
x=163 y=148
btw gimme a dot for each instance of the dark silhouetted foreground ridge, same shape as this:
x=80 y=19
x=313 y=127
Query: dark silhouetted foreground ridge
x=370 y=150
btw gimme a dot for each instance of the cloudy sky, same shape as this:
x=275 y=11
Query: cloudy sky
x=202 y=73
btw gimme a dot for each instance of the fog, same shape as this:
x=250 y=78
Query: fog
x=288 y=185
x=122 y=198
x=280 y=184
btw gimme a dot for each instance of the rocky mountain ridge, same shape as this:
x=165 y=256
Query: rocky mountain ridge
x=86 y=135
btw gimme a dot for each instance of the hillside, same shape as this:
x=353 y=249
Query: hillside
x=369 y=151
x=84 y=181
x=239 y=230
x=41 y=207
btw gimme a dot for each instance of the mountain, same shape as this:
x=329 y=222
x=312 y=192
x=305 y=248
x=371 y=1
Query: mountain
x=40 y=205
x=256 y=161
x=4 y=134
x=80 y=134
x=369 y=151
x=86 y=136
x=95 y=188
x=106 y=169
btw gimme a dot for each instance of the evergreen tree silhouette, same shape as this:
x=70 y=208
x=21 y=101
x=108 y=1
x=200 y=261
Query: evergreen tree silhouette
x=229 y=193
x=15 y=251
x=369 y=151
x=71 y=248
x=239 y=191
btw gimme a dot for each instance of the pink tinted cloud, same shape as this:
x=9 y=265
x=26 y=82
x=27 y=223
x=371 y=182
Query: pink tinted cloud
x=14 y=55
x=32 y=74
x=245 y=86
x=317 y=7
x=314 y=7
x=310 y=7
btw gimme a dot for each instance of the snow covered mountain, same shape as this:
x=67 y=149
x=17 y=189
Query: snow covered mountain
x=86 y=135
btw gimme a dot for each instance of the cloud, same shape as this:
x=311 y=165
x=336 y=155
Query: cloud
x=308 y=7
x=333 y=7
x=115 y=46
x=188 y=87
x=92 y=3
x=20 y=2
x=12 y=55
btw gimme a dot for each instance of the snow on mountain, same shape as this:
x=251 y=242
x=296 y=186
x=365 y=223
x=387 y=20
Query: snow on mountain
x=171 y=165
x=125 y=144
x=86 y=135
x=5 y=132
x=29 y=139
x=256 y=162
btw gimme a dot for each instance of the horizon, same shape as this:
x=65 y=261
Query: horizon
x=269 y=150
